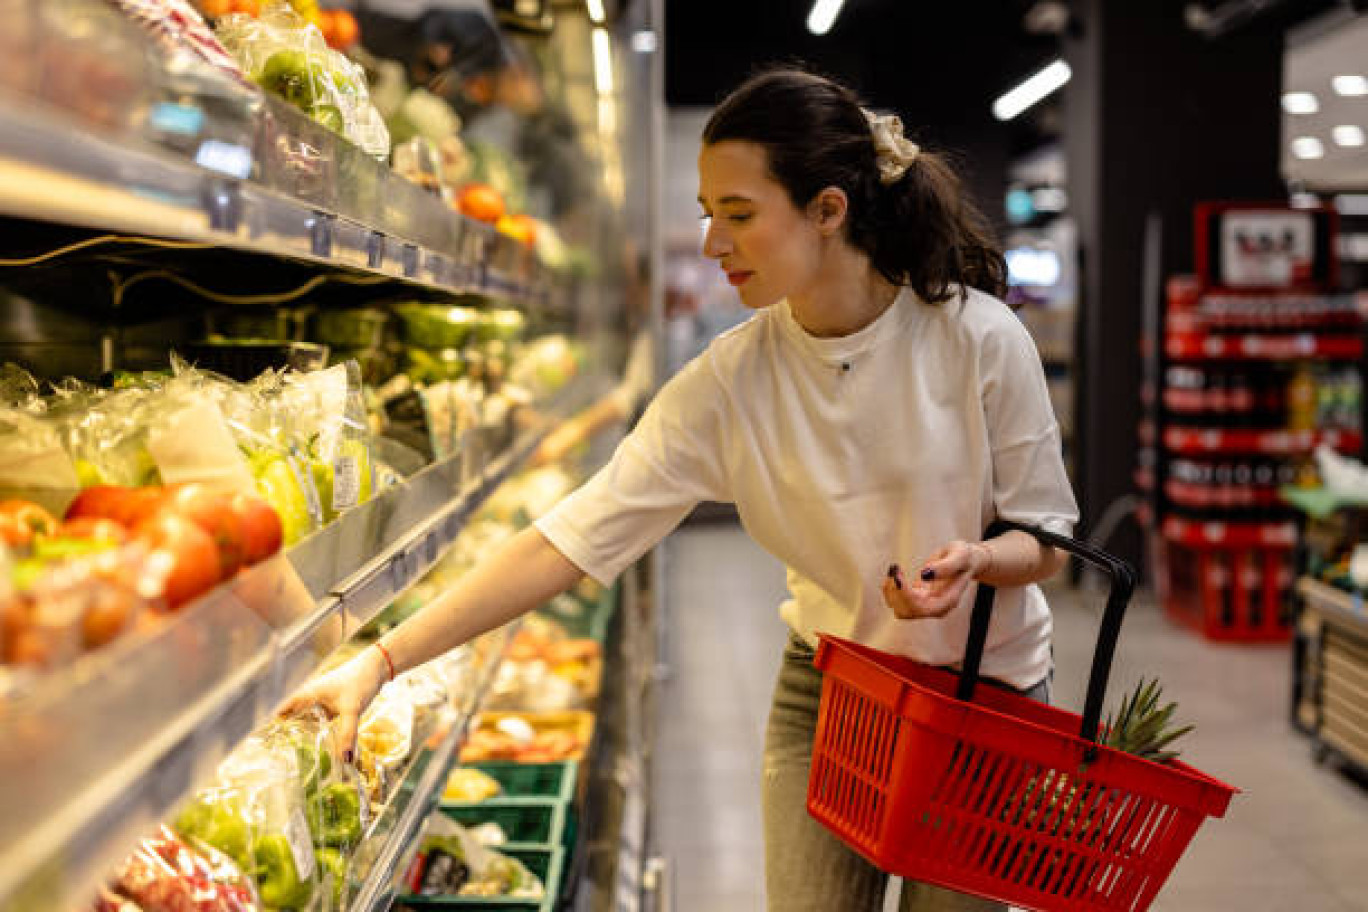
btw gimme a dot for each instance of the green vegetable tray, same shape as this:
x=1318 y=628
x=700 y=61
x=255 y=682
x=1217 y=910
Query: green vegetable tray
x=533 y=780
x=590 y=621
x=546 y=863
x=537 y=821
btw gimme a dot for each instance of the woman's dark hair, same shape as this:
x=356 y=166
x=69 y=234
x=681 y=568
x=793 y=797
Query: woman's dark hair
x=920 y=230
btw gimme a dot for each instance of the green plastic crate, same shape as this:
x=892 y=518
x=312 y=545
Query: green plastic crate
x=588 y=620
x=536 y=821
x=546 y=863
x=533 y=780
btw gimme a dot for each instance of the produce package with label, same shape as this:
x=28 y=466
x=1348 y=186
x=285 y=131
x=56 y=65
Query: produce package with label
x=452 y=862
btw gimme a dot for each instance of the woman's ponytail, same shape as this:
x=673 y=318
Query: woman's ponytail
x=923 y=232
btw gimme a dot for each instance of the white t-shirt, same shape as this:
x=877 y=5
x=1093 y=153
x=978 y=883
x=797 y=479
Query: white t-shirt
x=844 y=455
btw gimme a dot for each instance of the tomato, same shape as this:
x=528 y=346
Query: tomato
x=481 y=202
x=249 y=7
x=126 y=506
x=345 y=29
x=212 y=510
x=325 y=25
x=92 y=528
x=261 y=527
x=112 y=613
x=21 y=521
x=183 y=554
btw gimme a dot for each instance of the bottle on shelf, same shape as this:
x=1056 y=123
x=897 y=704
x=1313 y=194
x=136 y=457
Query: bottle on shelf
x=1301 y=399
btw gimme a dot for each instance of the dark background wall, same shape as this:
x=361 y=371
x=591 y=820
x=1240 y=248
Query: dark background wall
x=1157 y=119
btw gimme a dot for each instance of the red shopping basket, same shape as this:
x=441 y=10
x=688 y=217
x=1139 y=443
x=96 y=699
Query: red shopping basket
x=983 y=791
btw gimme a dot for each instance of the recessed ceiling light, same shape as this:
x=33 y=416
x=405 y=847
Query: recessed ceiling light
x=1308 y=147
x=1350 y=84
x=1300 y=103
x=1348 y=135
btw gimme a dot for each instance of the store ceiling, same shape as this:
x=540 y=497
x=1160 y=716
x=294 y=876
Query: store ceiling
x=936 y=63
x=1312 y=62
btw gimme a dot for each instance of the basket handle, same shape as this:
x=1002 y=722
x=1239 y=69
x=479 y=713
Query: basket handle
x=1122 y=585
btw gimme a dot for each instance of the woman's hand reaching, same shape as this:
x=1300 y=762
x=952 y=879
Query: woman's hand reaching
x=343 y=693
x=938 y=587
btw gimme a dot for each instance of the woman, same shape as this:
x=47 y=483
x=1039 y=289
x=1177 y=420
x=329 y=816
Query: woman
x=879 y=410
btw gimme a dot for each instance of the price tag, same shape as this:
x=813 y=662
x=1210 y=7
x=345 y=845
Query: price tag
x=346 y=483
x=306 y=484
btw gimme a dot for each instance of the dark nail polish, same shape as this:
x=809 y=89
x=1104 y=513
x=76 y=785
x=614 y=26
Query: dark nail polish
x=347 y=757
x=928 y=574
x=892 y=571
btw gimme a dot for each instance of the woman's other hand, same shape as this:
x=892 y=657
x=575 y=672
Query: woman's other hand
x=935 y=589
x=343 y=693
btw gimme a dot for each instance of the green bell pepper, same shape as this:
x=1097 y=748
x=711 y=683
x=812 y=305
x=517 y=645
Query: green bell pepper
x=277 y=876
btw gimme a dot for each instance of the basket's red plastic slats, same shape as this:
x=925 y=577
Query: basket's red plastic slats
x=845 y=783
x=967 y=817
x=1107 y=814
x=1012 y=802
x=1124 y=886
x=941 y=803
x=978 y=768
x=1070 y=875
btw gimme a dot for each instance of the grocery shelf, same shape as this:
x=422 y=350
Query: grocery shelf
x=1204 y=346
x=1215 y=533
x=1189 y=440
x=1345 y=607
x=95 y=755
x=188 y=153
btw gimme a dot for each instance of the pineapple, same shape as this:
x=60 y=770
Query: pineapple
x=1141 y=727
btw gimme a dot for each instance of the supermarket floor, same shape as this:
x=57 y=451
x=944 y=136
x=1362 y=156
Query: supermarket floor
x=1295 y=839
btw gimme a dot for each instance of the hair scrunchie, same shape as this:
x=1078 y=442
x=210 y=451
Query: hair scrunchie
x=894 y=151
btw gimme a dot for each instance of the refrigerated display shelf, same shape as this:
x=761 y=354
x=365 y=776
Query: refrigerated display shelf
x=96 y=754
x=1205 y=346
x=57 y=172
x=1189 y=440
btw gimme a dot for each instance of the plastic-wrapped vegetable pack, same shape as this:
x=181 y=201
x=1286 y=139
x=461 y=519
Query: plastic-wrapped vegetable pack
x=288 y=56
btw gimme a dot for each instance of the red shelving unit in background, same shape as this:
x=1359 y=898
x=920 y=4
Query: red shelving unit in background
x=1253 y=364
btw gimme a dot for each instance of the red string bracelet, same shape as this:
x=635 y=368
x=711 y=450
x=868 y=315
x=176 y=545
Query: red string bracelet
x=388 y=661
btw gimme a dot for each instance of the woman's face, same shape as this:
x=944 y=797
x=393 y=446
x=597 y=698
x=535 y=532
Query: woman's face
x=768 y=247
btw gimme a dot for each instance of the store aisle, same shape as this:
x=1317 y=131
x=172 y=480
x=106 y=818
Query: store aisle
x=1293 y=840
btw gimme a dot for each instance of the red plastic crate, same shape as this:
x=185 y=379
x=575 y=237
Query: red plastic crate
x=1232 y=594
x=994 y=797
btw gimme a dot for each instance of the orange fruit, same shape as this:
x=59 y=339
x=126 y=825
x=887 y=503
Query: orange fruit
x=214 y=9
x=345 y=29
x=520 y=227
x=481 y=202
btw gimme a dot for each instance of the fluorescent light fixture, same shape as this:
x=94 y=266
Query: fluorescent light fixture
x=1308 y=147
x=1350 y=85
x=1300 y=103
x=1031 y=91
x=823 y=16
x=603 y=62
x=645 y=41
x=1352 y=203
x=595 y=11
x=1350 y=136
